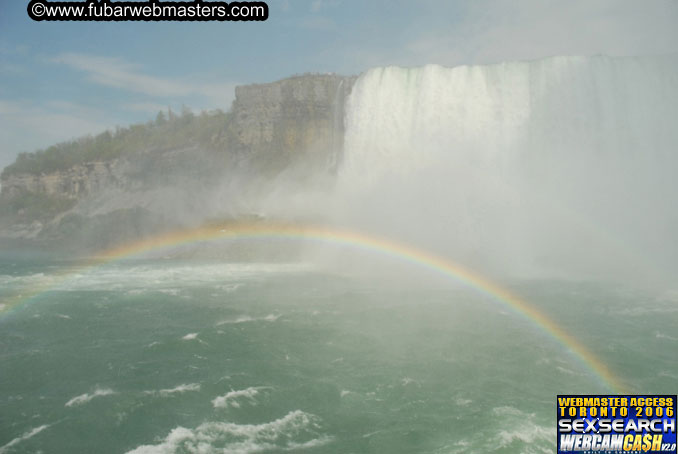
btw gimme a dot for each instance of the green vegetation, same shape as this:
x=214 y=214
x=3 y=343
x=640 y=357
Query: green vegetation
x=32 y=206
x=168 y=131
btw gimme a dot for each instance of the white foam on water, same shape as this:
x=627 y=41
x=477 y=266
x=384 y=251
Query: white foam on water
x=84 y=398
x=371 y=434
x=567 y=371
x=508 y=411
x=515 y=431
x=248 y=318
x=191 y=387
x=27 y=279
x=639 y=311
x=241 y=319
x=225 y=377
x=409 y=381
x=296 y=430
x=230 y=288
x=462 y=446
x=30 y=434
x=665 y=336
x=543 y=360
x=234 y=399
x=529 y=434
x=460 y=401
x=140 y=279
x=518 y=426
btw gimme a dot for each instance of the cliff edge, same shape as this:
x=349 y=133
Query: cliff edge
x=179 y=169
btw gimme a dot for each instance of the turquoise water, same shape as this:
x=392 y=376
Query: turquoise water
x=207 y=357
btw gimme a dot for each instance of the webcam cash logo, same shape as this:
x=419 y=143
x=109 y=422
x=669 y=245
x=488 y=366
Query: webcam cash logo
x=590 y=424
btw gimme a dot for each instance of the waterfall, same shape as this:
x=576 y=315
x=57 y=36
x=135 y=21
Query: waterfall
x=556 y=165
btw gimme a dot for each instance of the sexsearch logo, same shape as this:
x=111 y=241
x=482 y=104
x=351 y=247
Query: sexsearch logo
x=590 y=424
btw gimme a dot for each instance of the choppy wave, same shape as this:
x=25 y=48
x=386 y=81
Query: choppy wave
x=520 y=427
x=193 y=337
x=30 y=434
x=529 y=434
x=191 y=387
x=234 y=399
x=516 y=431
x=294 y=431
x=84 y=398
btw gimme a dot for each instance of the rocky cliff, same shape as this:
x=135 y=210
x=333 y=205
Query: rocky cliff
x=300 y=116
x=72 y=183
x=270 y=128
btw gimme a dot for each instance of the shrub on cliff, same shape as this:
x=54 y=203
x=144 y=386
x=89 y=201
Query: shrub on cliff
x=209 y=130
x=31 y=206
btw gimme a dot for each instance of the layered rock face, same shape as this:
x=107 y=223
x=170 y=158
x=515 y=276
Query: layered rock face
x=300 y=115
x=271 y=127
x=72 y=183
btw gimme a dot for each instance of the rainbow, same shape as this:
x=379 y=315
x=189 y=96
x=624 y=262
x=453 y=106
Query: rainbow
x=352 y=239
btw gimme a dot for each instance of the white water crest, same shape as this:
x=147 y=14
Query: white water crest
x=191 y=387
x=84 y=398
x=560 y=165
x=292 y=433
x=30 y=434
x=234 y=399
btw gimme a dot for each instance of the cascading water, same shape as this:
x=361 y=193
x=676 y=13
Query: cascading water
x=558 y=165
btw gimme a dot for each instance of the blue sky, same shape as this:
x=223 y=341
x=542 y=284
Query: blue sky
x=61 y=80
